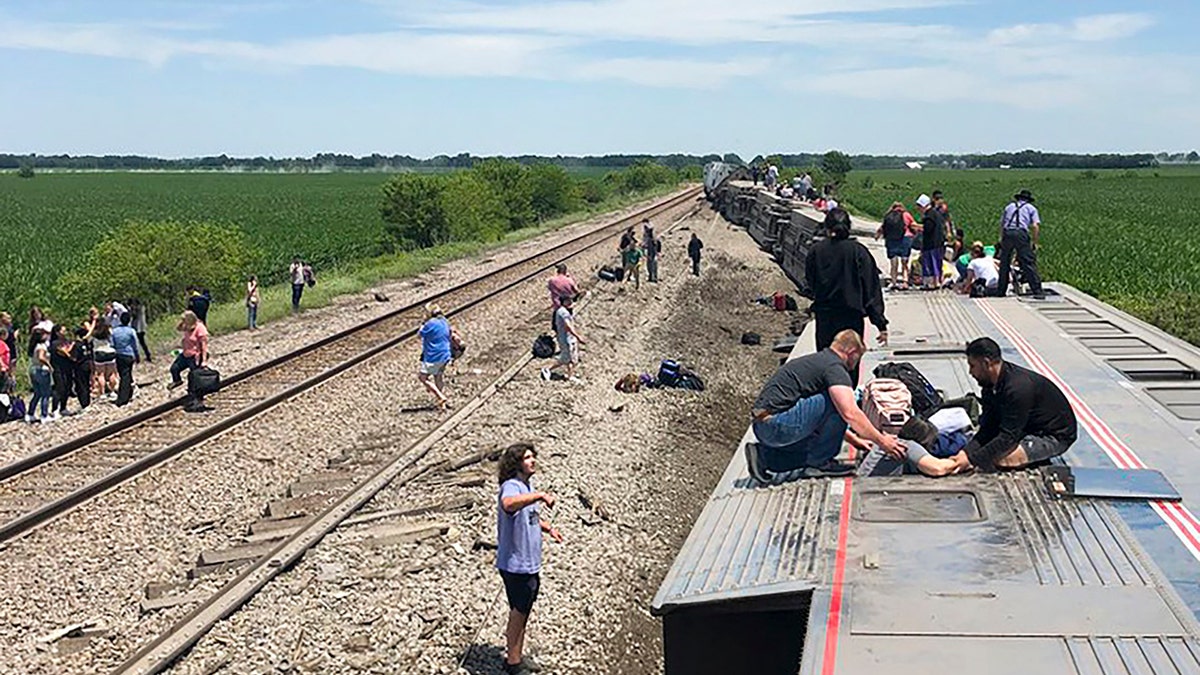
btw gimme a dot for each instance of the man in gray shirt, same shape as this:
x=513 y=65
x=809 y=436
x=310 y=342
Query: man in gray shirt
x=1019 y=229
x=802 y=415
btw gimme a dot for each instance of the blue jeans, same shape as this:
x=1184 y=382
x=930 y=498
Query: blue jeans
x=252 y=316
x=181 y=364
x=42 y=390
x=809 y=433
x=297 y=292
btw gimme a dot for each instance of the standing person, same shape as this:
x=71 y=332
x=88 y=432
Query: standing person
x=631 y=262
x=112 y=313
x=296 y=274
x=252 y=302
x=894 y=230
x=933 y=242
x=772 y=177
x=62 y=369
x=652 y=246
x=519 y=528
x=39 y=376
x=195 y=347
x=124 y=341
x=940 y=200
x=6 y=322
x=627 y=240
x=198 y=302
x=81 y=359
x=104 y=362
x=435 y=353
x=694 y=248
x=38 y=321
x=568 y=341
x=1019 y=229
x=755 y=170
x=843 y=282
x=6 y=360
x=561 y=285
x=138 y=309
x=806 y=186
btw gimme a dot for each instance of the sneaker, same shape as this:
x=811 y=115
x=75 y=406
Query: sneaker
x=172 y=385
x=516 y=668
x=832 y=468
x=546 y=374
x=529 y=664
x=56 y=416
x=29 y=419
x=574 y=380
x=754 y=464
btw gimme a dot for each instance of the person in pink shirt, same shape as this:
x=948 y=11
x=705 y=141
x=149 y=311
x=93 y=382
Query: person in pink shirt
x=5 y=361
x=561 y=285
x=195 y=347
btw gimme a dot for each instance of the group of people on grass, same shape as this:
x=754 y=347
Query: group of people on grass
x=978 y=270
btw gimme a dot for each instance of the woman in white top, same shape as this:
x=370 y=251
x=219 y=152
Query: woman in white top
x=982 y=276
x=252 y=302
x=104 y=362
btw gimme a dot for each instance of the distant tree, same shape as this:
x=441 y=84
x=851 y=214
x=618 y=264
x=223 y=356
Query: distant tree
x=552 y=190
x=837 y=164
x=413 y=213
x=26 y=169
x=472 y=209
x=733 y=158
x=511 y=180
x=775 y=159
x=1193 y=157
x=156 y=261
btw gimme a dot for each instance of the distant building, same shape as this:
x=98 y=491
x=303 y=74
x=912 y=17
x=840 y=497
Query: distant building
x=915 y=166
x=1006 y=166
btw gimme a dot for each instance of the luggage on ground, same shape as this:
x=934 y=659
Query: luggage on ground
x=668 y=372
x=608 y=274
x=887 y=403
x=925 y=399
x=920 y=430
x=543 y=346
x=203 y=381
x=751 y=338
x=970 y=403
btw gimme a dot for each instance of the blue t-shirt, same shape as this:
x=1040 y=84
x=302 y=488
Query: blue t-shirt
x=124 y=341
x=518 y=535
x=435 y=340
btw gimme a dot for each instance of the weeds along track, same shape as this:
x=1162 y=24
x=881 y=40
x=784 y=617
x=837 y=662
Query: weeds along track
x=38 y=488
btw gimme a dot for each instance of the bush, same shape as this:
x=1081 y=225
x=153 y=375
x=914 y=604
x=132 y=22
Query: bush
x=471 y=208
x=553 y=190
x=512 y=181
x=594 y=191
x=1090 y=174
x=156 y=261
x=25 y=170
x=412 y=211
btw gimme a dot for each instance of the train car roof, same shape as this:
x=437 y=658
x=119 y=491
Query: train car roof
x=984 y=573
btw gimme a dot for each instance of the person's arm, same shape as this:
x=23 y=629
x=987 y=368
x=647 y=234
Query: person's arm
x=843 y=400
x=570 y=327
x=968 y=280
x=202 y=351
x=1013 y=414
x=515 y=503
x=550 y=530
x=872 y=293
x=810 y=274
x=1035 y=228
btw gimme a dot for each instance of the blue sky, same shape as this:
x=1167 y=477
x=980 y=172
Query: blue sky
x=422 y=77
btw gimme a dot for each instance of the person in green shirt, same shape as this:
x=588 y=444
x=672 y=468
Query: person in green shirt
x=631 y=260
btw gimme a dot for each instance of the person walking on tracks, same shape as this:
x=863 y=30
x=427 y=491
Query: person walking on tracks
x=568 y=341
x=843 y=282
x=125 y=342
x=1019 y=229
x=694 y=248
x=195 y=347
x=1026 y=418
x=519 y=530
x=631 y=262
x=435 y=353
x=561 y=285
x=803 y=412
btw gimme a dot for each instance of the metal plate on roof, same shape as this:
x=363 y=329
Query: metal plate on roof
x=1125 y=345
x=1154 y=369
x=1090 y=328
x=1141 y=484
x=1068 y=313
x=1184 y=402
x=917 y=506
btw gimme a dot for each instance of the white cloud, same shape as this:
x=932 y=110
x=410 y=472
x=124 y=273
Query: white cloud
x=692 y=74
x=1095 y=28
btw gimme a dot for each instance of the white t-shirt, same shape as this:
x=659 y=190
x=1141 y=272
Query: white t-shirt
x=985 y=268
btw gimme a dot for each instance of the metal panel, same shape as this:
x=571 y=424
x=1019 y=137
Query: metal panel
x=751 y=542
x=917 y=506
x=1183 y=401
x=1091 y=328
x=1154 y=369
x=1119 y=346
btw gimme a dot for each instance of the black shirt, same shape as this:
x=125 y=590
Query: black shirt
x=801 y=378
x=199 y=306
x=694 y=247
x=933 y=232
x=842 y=277
x=1022 y=403
x=59 y=361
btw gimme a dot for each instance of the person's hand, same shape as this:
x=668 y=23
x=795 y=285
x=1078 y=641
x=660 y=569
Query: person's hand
x=883 y=338
x=547 y=499
x=962 y=463
x=893 y=446
x=555 y=535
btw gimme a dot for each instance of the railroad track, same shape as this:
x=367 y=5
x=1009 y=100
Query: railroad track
x=38 y=488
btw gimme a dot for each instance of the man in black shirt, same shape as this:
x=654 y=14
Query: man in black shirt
x=1026 y=418
x=802 y=414
x=933 y=241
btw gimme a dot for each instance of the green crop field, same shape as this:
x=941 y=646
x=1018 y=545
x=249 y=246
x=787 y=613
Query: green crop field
x=51 y=220
x=1129 y=238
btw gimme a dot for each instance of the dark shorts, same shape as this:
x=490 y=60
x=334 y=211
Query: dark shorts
x=1042 y=448
x=521 y=589
x=900 y=248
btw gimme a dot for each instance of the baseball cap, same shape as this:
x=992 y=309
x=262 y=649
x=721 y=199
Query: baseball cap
x=924 y=201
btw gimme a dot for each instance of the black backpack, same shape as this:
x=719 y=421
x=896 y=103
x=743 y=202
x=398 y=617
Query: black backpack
x=203 y=380
x=925 y=399
x=751 y=338
x=893 y=226
x=543 y=347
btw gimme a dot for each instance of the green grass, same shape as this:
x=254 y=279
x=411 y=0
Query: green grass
x=1128 y=238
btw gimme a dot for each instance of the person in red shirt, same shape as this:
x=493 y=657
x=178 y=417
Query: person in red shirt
x=5 y=361
x=561 y=285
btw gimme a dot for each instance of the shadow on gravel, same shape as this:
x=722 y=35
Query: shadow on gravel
x=483 y=659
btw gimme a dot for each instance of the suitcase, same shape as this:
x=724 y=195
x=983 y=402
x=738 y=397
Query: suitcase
x=203 y=381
